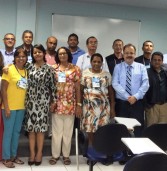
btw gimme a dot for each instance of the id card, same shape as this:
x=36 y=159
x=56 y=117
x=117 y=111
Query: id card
x=95 y=82
x=61 y=77
x=22 y=83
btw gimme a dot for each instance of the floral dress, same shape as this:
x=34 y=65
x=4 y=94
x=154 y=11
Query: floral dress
x=41 y=90
x=65 y=94
x=96 y=105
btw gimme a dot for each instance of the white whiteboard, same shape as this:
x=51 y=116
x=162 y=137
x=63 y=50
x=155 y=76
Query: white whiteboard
x=106 y=30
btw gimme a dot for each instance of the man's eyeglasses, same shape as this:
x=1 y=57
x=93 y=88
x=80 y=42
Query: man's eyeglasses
x=12 y=39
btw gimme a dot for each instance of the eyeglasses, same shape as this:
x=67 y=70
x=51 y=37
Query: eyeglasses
x=12 y=39
x=62 y=54
x=130 y=53
x=20 y=57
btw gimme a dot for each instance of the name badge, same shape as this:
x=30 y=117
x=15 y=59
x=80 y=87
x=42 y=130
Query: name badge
x=22 y=83
x=95 y=82
x=61 y=77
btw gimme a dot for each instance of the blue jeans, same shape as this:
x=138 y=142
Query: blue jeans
x=12 y=127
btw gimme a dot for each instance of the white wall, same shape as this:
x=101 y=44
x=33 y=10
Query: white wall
x=153 y=21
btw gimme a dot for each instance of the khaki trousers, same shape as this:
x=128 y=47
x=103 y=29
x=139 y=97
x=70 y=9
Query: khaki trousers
x=156 y=114
x=62 y=129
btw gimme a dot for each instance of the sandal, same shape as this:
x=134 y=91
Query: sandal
x=53 y=160
x=17 y=161
x=8 y=163
x=66 y=160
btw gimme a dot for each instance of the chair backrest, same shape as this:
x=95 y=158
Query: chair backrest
x=151 y=161
x=158 y=134
x=107 y=139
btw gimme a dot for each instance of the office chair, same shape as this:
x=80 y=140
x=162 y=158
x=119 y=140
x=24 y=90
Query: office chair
x=151 y=161
x=158 y=134
x=107 y=141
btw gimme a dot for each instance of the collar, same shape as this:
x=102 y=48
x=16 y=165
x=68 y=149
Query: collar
x=9 y=53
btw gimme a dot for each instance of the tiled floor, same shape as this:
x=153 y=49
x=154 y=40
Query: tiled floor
x=45 y=166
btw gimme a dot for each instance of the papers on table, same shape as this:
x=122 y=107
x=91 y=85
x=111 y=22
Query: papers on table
x=141 y=145
x=130 y=123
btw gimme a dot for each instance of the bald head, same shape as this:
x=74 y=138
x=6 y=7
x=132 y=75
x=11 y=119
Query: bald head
x=51 y=43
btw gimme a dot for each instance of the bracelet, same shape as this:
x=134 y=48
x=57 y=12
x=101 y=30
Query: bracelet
x=79 y=104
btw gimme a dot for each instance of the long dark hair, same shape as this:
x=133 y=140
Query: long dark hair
x=41 y=48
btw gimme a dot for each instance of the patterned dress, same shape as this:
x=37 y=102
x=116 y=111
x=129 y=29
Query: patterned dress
x=96 y=106
x=65 y=93
x=41 y=89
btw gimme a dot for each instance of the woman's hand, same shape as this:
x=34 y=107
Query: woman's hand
x=7 y=112
x=6 y=68
x=78 y=111
x=52 y=107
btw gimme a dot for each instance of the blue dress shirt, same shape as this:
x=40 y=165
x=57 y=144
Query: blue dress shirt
x=139 y=80
x=76 y=54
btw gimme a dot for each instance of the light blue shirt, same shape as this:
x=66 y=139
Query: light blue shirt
x=139 y=80
x=7 y=57
x=76 y=54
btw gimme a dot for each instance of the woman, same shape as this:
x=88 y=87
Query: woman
x=40 y=93
x=1 y=120
x=98 y=97
x=67 y=105
x=14 y=85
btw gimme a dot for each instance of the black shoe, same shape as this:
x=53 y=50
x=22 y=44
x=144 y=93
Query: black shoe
x=122 y=162
x=38 y=163
x=108 y=161
x=31 y=163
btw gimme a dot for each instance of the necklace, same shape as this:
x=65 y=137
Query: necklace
x=25 y=73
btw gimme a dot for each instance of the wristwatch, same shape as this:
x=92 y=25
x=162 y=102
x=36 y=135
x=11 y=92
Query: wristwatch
x=79 y=104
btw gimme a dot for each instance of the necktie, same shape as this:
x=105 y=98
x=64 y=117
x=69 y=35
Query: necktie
x=128 y=80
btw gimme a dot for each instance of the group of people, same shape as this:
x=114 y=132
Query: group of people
x=49 y=87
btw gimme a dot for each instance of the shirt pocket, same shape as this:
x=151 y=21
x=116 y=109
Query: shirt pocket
x=137 y=77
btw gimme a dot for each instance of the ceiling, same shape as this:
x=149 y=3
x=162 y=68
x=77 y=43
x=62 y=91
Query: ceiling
x=156 y=4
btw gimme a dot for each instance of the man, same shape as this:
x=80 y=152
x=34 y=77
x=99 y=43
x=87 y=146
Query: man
x=116 y=57
x=27 y=38
x=130 y=81
x=84 y=60
x=156 y=97
x=51 y=45
x=147 y=48
x=73 y=47
x=9 y=42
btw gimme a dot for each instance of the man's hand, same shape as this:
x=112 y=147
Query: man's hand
x=132 y=100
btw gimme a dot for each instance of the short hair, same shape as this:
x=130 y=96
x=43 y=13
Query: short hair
x=147 y=41
x=68 y=53
x=51 y=37
x=9 y=34
x=73 y=35
x=1 y=63
x=98 y=55
x=116 y=40
x=91 y=37
x=158 y=54
x=27 y=31
x=17 y=52
x=129 y=45
x=41 y=48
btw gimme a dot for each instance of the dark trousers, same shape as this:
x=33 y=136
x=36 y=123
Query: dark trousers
x=125 y=109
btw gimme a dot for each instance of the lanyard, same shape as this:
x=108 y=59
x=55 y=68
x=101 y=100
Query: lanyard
x=25 y=73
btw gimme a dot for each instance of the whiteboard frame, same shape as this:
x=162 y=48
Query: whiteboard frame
x=106 y=30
